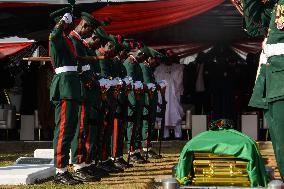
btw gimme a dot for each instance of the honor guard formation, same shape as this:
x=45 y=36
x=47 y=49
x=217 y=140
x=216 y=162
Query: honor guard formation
x=103 y=91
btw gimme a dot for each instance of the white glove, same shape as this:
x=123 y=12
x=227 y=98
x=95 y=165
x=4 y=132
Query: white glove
x=138 y=85
x=151 y=86
x=128 y=80
x=105 y=83
x=163 y=83
x=67 y=18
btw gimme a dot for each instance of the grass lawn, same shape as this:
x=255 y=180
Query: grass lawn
x=10 y=158
x=141 y=176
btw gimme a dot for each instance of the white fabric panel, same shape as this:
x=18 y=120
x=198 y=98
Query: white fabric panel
x=250 y=125
x=199 y=124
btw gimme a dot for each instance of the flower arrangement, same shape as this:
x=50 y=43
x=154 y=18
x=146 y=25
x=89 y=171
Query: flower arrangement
x=221 y=124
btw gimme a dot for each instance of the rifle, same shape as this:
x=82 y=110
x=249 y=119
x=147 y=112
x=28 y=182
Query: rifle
x=131 y=119
x=113 y=119
x=162 y=115
x=103 y=91
x=72 y=3
x=124 y=111
x=149 y=119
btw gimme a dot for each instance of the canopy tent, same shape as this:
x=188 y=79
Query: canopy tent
x=187 y=26
x=188 y=52
x=140 y=17
x=9 y=49
x=128 y=18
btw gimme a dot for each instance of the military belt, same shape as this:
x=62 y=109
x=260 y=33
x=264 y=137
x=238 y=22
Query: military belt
x=273 y=49
x=65 y=69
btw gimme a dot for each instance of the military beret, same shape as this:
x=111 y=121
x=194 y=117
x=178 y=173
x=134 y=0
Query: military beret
x=155 y=53
x=120 y=42
x=56 y=15
x=146 y=51
x=113 y=39
x=130 y=43
x=94 y=23
x=126 y=45
x=117 y=40
x=103 y=35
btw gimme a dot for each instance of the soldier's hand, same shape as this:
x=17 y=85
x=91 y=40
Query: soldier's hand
x=67 y=18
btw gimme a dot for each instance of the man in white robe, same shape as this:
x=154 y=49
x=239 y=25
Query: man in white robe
x=173 y=74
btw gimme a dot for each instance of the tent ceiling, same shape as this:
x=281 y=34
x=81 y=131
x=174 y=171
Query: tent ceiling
x=222 y=23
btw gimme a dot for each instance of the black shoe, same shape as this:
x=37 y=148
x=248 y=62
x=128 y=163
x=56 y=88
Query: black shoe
x=83 y=175
x=103 y=172
x=109 y=167
x=95 y=172
x=65 y=178
x=123 y=162
x=119 y=168
x=152 y=154
x=137 y=158
x=119 y=164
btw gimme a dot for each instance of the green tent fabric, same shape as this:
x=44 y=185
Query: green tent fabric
x=227 y=142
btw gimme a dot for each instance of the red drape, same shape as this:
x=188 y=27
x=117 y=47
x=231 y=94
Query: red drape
x=7 y=49
x=184 y=50
x=131 y=18
x=248 y=46
x=242 y=47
